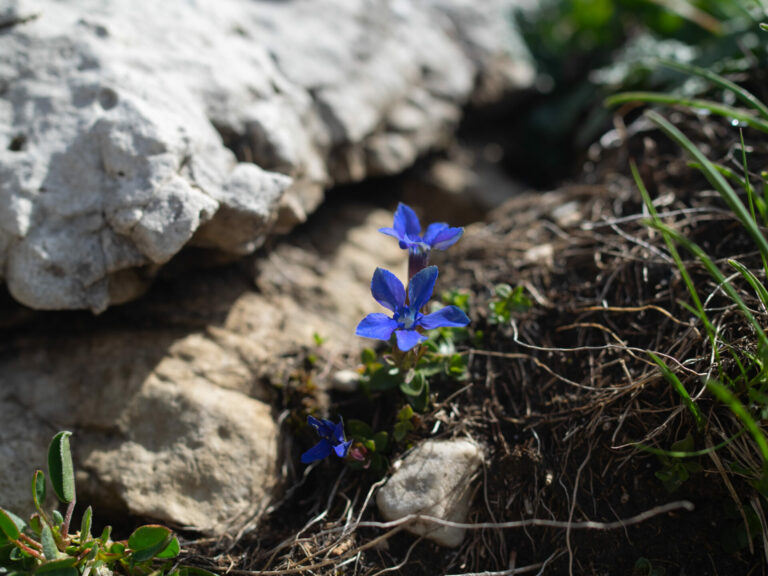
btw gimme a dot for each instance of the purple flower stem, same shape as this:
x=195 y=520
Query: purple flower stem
x=418 y=259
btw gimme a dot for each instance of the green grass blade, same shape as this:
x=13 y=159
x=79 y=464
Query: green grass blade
x=757 y=286
x=699 y=311
x=727 y=397
x=672 y=378
x=747 y=183
x=695 y=453
x=714 y=107
x=725 y=171
x=744 y=95
x=714 y=271
x=716 y=179
x=750 y=192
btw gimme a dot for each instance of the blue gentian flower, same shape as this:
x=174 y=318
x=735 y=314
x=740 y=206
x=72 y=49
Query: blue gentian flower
x=407 y=229
x=331 y=440
x=388 y=291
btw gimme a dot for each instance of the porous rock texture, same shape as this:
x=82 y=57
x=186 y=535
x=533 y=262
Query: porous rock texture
x=168 y=398
x=435 y=479
x=118 y=122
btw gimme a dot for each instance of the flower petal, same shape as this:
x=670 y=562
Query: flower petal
x=338 y=432
x=406 y=222
x=391 y=232
x=433 y=230
x=342 y=449
x=323 y=427
x=448 y=317
x=378 y=326
x=407 y=339
x=387 y=290
x=420 y=287
x=319 y=451
x=446 y=237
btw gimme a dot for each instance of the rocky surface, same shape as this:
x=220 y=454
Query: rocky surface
x=118 y=123
x=435 y=479
x=168 y=397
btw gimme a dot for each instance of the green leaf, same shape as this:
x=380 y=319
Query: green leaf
x=402 y=429
x=63 y=567
x=60 y=467
x=105 y=534
x=420 y=403
x=368 y=356
x=50 y=551
x=36 y=524
x=38 y=490
x=414 y=386
x=685 y=444
x=380 y=440
x=117 y=548
x=85 y=524
x=384 y=378
x=503 y=290
x=358 y=429
x=58 y=519
x=9 y=526
x=405 y=413
x=93 y=552
x=148 y=541
x=172 y=550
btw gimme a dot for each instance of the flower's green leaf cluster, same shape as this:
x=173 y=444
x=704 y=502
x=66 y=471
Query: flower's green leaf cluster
x=507 y=301
x=45 y=547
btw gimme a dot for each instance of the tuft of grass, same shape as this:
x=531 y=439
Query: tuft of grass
x=741 y=385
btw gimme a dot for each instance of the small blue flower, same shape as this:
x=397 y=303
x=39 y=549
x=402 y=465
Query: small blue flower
x=388 y=291
x=407 y=229
x=331 y=440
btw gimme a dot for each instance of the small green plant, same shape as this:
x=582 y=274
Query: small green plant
x=421 y=337
x=45 y=545
x=676 y=471
x=507 y=301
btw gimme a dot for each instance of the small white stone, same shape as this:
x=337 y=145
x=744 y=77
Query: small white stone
x=433 y=480
x=345 y=381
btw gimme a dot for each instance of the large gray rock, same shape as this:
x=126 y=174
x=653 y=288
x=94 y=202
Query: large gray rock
x=433 y=480
x=114 y=118
x=168 y=398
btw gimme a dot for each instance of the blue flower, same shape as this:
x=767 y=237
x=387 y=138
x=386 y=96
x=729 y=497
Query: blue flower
x=331 y=440
x=388 y=291
x=407 y=229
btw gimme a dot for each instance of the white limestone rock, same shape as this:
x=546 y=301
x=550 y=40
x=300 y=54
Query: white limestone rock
x=114 y=118
x=169 y=398
x=433 y=480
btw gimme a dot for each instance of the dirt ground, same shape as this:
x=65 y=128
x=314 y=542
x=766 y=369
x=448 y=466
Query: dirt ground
x=565 y=397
